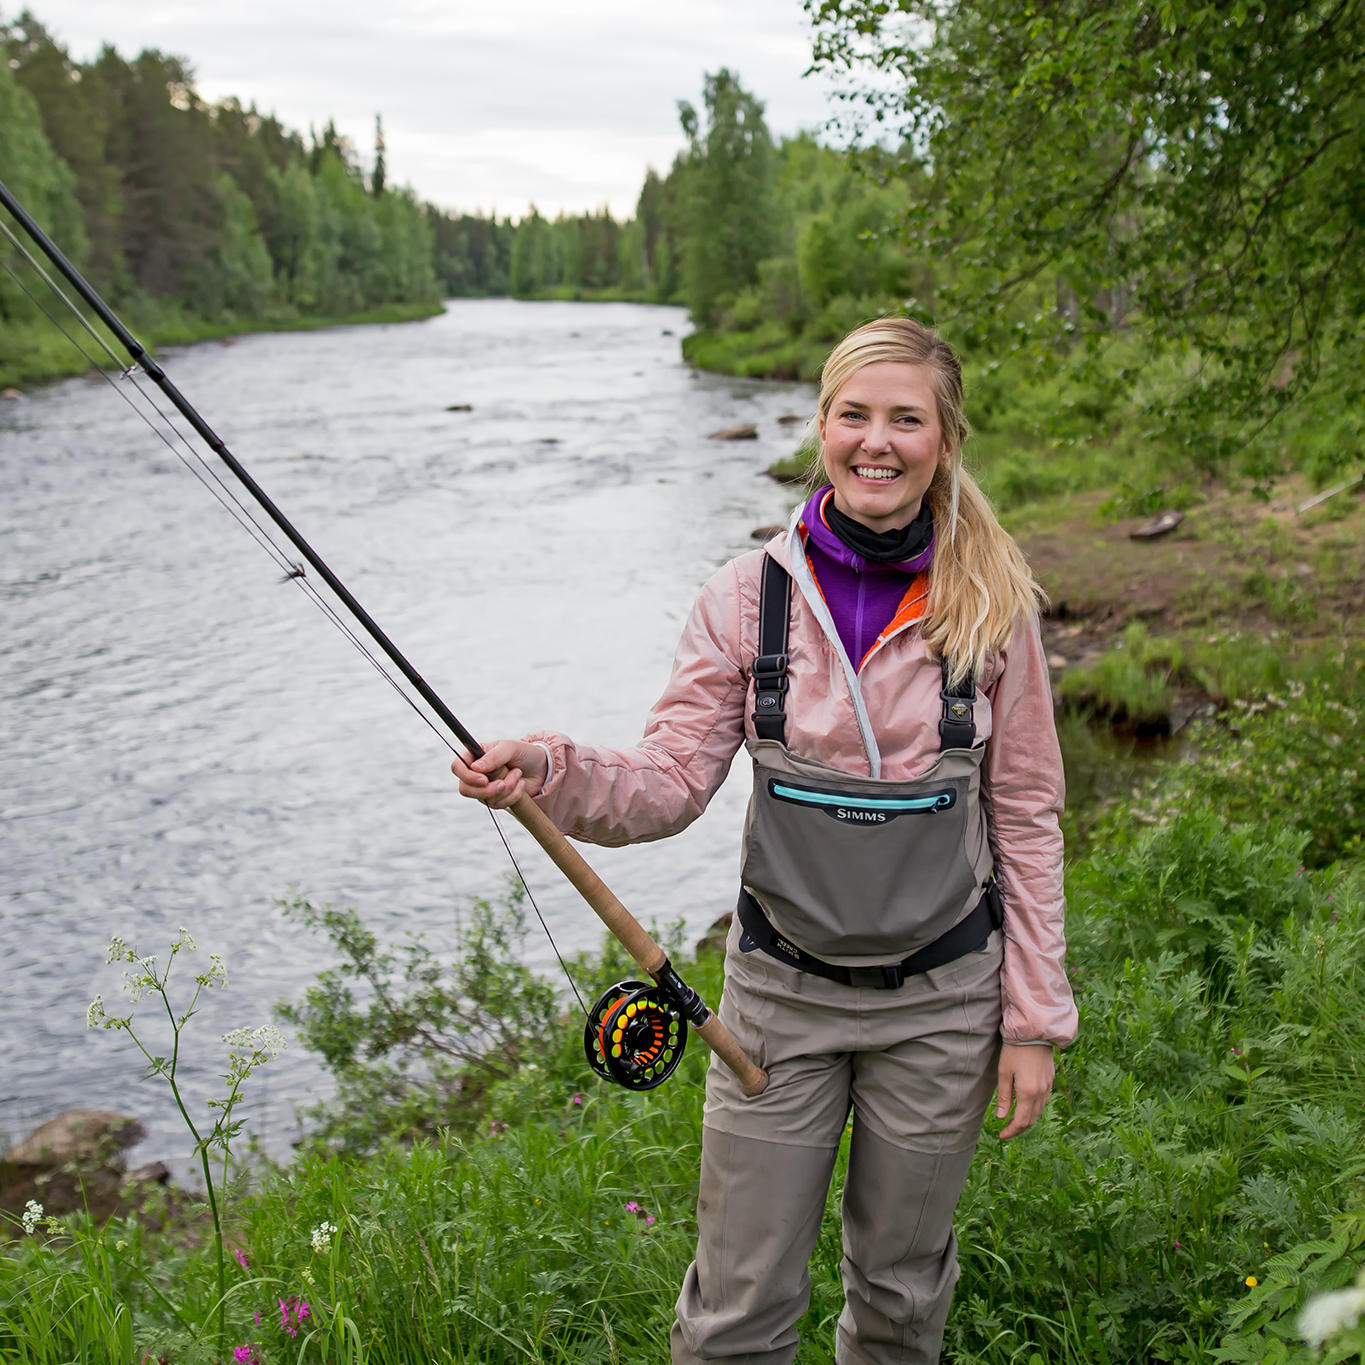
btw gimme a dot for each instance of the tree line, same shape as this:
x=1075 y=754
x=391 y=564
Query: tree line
x=220 y=213
x=1156 y=209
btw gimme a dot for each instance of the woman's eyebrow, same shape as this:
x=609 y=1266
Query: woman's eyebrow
x=897 y=408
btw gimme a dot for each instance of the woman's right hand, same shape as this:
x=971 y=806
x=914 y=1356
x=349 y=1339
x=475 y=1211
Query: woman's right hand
x=526 y=769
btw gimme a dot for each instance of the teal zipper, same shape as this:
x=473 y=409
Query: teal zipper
x=892 y=804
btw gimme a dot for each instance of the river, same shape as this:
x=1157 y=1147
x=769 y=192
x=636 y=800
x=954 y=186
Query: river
x=187 y=739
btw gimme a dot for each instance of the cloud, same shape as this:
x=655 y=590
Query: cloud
x=484 y=106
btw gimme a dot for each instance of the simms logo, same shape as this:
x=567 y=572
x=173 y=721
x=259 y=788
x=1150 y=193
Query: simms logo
x=862 y=817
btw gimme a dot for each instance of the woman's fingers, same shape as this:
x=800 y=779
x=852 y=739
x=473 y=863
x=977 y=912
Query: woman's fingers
x=1025 y=1081
x=498 y=778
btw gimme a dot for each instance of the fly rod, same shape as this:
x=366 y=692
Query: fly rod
x=636 y=1032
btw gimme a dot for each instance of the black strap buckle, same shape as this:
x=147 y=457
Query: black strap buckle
x=770 y=666
x=888 y=977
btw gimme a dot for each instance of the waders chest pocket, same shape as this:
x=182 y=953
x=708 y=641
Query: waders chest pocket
x=857 y=808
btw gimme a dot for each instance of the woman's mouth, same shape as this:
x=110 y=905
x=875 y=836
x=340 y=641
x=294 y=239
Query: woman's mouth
x=876 y=473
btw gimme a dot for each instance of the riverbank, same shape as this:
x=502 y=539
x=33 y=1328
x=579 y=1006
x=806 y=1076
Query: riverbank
x=36 y=353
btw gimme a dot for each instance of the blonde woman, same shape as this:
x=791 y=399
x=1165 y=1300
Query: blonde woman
x=897 y=953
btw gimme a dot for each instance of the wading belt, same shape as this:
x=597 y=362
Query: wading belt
x=966 y=936
x=956 y=728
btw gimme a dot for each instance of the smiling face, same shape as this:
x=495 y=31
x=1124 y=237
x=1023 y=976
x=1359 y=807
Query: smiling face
x=881 y=442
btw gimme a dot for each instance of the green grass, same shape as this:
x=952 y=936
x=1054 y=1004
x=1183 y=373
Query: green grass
x=35 y=352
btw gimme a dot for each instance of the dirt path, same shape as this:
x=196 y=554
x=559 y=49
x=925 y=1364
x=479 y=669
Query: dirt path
x=1237 y=562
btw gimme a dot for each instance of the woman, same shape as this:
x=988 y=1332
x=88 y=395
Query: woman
x=883 y=664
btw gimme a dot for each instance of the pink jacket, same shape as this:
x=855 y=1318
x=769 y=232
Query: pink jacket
x=881 y=722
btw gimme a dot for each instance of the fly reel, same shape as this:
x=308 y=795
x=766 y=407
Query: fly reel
x=635 y=1035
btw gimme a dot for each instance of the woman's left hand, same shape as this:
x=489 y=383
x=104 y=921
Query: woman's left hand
x=1024 y=1081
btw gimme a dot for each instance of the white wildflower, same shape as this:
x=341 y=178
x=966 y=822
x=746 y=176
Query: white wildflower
x=216 y=974
x=94 y=1016
x=142 y=983
x=255 y=1045
x=322 y=1236
x=182 y=939
x=33 y=1211
x=1324 y=1315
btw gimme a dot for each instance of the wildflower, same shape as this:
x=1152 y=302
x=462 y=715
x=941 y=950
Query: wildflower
x=577 y=1099
x=241 y=1258
x=1324 y=1315
x=120 y=1245
x=307 y=1275
x=255 y=1045
x=632 y=1206
x=216 y=974
x=292 y=1314
x=33 y=1211
x=497 y=1127
x=245 y=1355
x=182 y=940
x=1252 y=1282
x=322 y=1235
x=649 y=1221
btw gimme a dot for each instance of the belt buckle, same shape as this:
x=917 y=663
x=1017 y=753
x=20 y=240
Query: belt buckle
x=885 y=978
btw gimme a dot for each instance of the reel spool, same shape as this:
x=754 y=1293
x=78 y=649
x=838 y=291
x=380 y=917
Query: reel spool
x=635 y=1035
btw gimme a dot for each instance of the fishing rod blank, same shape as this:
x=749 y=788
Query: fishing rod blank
x=636 y=1032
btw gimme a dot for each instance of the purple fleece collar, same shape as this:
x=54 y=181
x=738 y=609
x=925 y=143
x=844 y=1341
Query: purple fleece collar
x=863 y=596
x=812 y=517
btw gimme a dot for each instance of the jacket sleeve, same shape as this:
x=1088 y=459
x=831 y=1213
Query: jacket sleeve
x=623 y=796
x=1024 y=787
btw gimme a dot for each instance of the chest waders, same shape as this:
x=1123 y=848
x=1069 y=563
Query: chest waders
x=859 y=879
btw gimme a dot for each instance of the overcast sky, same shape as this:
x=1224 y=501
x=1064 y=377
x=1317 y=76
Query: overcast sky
x=489 y=105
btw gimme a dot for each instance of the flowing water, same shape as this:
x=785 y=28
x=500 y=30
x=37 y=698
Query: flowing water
x=186 y=738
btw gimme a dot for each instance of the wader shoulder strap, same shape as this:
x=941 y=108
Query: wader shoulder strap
x=957 y=729
x=770 y=666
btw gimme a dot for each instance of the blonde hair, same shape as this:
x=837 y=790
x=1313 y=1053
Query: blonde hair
x=980 y=584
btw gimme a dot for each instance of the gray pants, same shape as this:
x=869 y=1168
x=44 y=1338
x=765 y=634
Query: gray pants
x=916 y=1066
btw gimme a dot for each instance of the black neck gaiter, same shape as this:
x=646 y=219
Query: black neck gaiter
x=883 y=547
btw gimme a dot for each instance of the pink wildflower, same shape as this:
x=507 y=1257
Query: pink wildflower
x=241 y=1258
x=497 y=1127
x=632 y=1206
x=578 y=1099
x=292 y=1314
x=245 y=1355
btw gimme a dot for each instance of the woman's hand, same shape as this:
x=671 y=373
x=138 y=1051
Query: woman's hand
x=1024 y=1081
x=526 y=768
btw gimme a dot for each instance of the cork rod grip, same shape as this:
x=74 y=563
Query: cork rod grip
x=639 y=944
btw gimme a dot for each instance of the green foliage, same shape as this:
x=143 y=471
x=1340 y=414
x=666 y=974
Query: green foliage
x=177 y=209
x=1186 y=173
x=411 y=1040
x=1270 y=1322
x=1295 y=756
x=728 y=196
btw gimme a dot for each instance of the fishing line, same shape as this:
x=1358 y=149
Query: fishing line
x=242 y=514
x=207 y=475
x=635 y=1033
